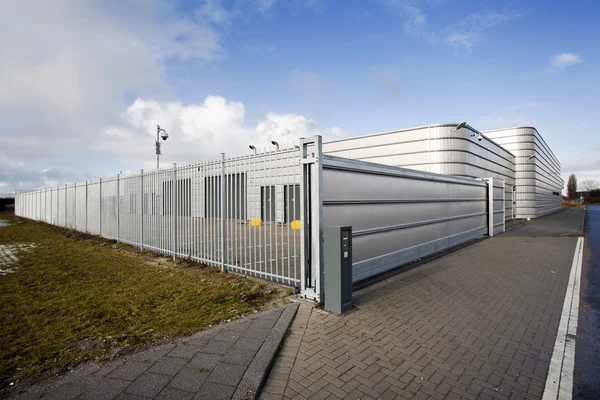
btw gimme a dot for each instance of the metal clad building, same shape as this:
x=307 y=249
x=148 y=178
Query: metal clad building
x=538 y=181
x=434 y=148
x=439 y=148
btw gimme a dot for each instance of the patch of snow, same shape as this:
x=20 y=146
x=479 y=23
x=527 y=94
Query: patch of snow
x=9 y=255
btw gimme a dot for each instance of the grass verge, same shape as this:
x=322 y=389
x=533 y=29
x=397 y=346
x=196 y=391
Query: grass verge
x=76 y=297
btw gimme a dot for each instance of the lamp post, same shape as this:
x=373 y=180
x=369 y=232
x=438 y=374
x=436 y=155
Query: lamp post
x=252 y=148
x=459 y=127
x=274 y=143
x=164 y=135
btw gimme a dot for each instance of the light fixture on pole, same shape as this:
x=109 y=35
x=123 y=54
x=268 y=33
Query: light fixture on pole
x=459 y=126
x=164 y=135
x=252 y=148
x=274 y=143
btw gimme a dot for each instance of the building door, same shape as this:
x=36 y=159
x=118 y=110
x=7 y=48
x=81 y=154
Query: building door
x=267 y=201
x=292 y=203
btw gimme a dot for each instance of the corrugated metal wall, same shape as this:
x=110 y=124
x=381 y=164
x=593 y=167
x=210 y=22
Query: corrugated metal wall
x=538 y=181
x=435 y=148
x=399 y=215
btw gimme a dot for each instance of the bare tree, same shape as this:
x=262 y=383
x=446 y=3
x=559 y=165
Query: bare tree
x=572 y=187
x=589 y=184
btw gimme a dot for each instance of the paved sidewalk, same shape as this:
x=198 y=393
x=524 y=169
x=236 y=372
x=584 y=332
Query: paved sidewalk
x=478 y=323
x=230 y=361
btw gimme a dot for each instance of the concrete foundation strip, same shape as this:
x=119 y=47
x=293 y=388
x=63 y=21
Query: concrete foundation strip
x=259 y=368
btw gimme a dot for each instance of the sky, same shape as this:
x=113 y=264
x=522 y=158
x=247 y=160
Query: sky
x=83 y=84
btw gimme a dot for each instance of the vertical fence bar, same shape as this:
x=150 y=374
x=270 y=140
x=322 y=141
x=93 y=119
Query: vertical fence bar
x=118 y=207
x=75 y=205
x=223 y=243
x=86 y=206
x=66 y=207
x=173 y=210
x=100 y=208
x=141 y=210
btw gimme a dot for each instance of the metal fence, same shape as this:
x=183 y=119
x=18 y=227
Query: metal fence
x=263 y=214
x=237 y=214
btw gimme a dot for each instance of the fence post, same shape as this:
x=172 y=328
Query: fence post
x=118 y=208
x=66 y=207
x=142 y=210
x=75 y=205
x=58 y=206
x=223 y=232
x=174 y=209
x=100 y=207
x=86 y=206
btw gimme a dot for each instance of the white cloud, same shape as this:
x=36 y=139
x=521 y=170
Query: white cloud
x=462 y=35
x=68 y=65
x=414 y=20
x=468 y=32
x=564 y=60
x=201 y=131
x=265 y=5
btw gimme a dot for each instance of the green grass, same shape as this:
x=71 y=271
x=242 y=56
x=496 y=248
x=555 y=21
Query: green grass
x=76 y=297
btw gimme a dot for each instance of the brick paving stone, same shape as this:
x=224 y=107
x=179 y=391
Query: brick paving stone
x=168 y=366
x=130 y=370
x=478 y=322
x=214 y=364
x=148 y=384
x=189 y=379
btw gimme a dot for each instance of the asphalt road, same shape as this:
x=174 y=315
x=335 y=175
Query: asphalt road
x=587 y=353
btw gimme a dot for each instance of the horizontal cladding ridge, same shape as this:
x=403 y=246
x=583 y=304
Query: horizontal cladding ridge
x=371 y=231
x=506 y=151
x=339 y=202
x=536 y=135
x=461 y=163
x=351 y=165
x=427 y=153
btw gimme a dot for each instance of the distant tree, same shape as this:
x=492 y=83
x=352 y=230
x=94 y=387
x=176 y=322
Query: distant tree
x=572 y=187
x=589 y=184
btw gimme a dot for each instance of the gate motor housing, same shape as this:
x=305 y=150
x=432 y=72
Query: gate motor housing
x=337 y=271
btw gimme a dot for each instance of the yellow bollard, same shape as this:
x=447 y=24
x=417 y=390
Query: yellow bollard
x=295 y=225
x=256 y=222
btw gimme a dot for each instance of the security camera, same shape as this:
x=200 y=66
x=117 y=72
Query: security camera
x=478 y=136
x=164 y=135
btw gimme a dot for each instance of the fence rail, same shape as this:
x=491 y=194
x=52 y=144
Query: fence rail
x=237 y=214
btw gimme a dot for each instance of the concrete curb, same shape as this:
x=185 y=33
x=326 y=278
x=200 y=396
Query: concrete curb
x=258 y=370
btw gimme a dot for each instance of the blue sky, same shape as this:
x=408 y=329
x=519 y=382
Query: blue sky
x=88 y=81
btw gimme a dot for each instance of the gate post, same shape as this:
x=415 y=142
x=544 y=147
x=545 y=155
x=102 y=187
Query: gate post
x=490 y=206
x=311 y=216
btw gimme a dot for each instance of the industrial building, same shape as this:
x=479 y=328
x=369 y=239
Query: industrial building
x=518 y=156
x=538 y=172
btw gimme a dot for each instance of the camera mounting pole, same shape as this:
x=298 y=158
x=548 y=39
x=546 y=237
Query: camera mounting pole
x=165 y=136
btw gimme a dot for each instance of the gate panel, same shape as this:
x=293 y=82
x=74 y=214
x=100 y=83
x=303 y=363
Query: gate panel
x=399 y=215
